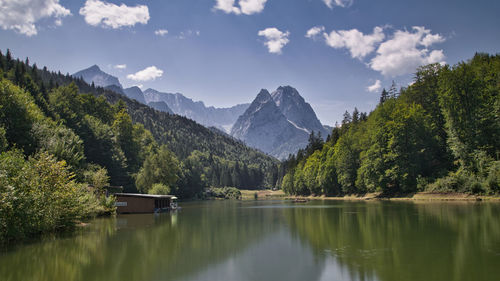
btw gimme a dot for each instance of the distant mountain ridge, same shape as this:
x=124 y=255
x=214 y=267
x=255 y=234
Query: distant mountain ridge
x=279 y=123
x=221 y=118
x=136 y=94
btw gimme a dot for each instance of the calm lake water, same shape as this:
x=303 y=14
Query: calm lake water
x=274 y=240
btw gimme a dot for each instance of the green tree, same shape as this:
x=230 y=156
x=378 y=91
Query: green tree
x=160 y=189
x=160 y=167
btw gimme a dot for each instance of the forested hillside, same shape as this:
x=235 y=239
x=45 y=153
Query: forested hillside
x=441 y=133
x=97 y=127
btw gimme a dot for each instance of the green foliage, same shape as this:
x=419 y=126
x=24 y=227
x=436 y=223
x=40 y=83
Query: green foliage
x=39 y=195
x=469 y=98
x=97 y=177
x=160 y=189
x=119 y=134
x=59 y=141
x=17 y=115
x=3 y=141
x=225 y=192
x=408 y=142
x=160 y=167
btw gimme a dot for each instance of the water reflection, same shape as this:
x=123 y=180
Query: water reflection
x=274 y=240
x=405 y=241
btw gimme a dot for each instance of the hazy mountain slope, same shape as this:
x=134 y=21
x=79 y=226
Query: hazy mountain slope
x=135 y=93
x=99 y=77
x=161 y=106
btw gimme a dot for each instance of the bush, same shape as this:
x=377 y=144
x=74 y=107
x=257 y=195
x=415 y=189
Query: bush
x=39 y=195
x=492 y=181
x=460 y=181
x=486 y=180
x=96 y=176
x=225 y=192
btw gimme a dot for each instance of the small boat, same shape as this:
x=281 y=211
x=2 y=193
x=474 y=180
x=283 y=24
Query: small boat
x=300 y=200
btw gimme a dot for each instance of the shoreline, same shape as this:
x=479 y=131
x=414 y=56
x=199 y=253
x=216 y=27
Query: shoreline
x=419 y=196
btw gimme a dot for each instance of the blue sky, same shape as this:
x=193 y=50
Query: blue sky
x=223 y=51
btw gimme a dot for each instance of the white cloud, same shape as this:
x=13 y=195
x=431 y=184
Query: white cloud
x=407 y=50
x=21 y=16
x=120 y=66
x=149 y=73
x=161 y=32
x=189 y=32
x=313 y=32
x=276 y=39
x=247 y=7
x=110 y=15
x=375 y=87
x=339 y=3
x=431 y=39
x=358 y=44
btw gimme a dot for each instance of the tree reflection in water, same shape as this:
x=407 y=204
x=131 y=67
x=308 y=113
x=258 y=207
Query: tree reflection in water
x=274 y=240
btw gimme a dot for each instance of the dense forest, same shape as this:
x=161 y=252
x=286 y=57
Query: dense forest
x=440 y=134
x=61 y=138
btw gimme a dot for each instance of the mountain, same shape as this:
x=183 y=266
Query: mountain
x=264 y=126
x=161 y=106
x=297 y=110
x=135 y=93
x=99 y=77
x=221 y=118
x=279 y=123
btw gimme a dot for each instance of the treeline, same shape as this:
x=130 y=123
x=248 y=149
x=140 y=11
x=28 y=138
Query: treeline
x=441 y=133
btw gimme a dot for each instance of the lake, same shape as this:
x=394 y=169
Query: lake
x=274 y=240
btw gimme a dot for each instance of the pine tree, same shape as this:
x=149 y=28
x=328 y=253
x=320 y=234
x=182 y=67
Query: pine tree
x=393 y=92
x=355 y=115
x=384 y=96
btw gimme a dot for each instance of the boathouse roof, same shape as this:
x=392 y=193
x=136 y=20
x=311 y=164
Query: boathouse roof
x=144 y=195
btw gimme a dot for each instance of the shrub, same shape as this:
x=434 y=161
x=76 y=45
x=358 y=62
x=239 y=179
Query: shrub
x=40 y=195
x=225 y=192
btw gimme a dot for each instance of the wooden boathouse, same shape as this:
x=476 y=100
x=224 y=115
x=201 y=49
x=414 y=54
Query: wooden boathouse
x=143 y=203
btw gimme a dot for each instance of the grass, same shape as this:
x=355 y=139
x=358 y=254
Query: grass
x=262 y=194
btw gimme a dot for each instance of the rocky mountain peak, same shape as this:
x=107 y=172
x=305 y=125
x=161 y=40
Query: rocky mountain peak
x=278 y=123
x=263 y=96
x=297 y=110
x=99 y=77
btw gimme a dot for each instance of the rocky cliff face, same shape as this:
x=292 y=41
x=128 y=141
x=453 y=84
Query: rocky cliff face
x=297 y=110
x=279 y=123
x=221 y=118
